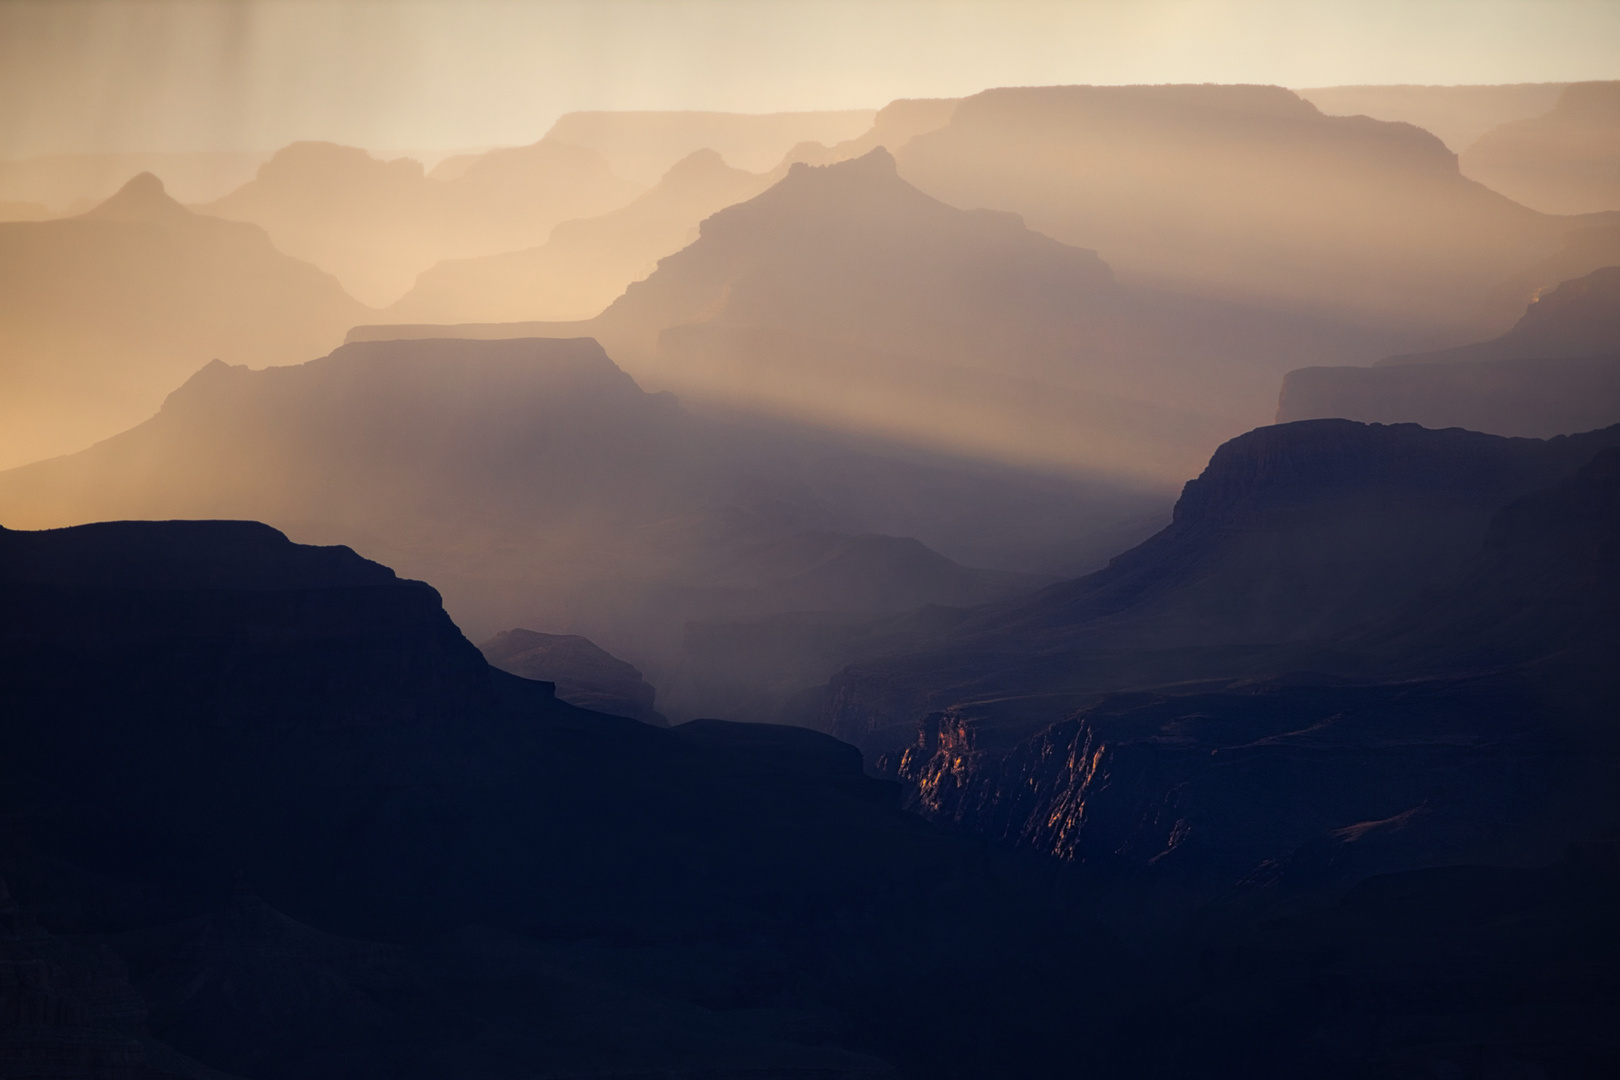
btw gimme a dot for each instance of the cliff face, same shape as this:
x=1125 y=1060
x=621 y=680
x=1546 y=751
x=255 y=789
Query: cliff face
x=274 y=630
x=1474 y=723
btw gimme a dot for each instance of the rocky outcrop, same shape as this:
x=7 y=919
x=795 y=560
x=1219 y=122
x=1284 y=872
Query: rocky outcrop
x=1471 y=722
x=846 y=293
x=1219 y=786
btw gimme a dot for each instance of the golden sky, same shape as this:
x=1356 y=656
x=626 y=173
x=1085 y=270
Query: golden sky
x=254 y=75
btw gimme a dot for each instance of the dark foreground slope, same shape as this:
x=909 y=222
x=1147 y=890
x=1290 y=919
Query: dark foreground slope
x=265 y=807
x=1556 y=371
x=266 y=814
x=539 y=486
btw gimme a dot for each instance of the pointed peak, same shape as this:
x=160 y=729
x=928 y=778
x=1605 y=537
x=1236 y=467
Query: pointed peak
x=143 y=198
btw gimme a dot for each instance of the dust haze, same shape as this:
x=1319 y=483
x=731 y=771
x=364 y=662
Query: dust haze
x=850 y=539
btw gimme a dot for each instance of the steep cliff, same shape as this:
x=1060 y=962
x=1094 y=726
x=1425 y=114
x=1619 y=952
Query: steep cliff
x=1473 y=721
x=1292 y=535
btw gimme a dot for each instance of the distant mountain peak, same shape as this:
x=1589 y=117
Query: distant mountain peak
x=877 y=162
x=143 y=198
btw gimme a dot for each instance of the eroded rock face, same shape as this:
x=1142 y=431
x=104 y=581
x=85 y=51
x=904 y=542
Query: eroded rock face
x=1466 y=716
x=1229 y=785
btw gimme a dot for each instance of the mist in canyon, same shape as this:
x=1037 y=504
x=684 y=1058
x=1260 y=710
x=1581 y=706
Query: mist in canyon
x=621 y=540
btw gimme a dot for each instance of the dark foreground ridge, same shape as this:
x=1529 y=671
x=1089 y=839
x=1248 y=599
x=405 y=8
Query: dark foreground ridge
x=267 y=814
x=265 y=807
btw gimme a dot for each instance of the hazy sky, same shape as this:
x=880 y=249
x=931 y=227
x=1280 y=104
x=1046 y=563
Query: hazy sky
x=217 y=74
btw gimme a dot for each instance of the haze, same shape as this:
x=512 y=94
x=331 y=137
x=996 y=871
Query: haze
x=858 y=540
x=251 y=76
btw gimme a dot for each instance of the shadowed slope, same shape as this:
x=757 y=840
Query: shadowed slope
x=584 y=674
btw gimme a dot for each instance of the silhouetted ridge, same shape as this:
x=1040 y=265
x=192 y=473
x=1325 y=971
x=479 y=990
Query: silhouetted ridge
x=1312 y=460
x=106 y=312
x=1240 y=192
x=178 y=555
x=314 y=834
